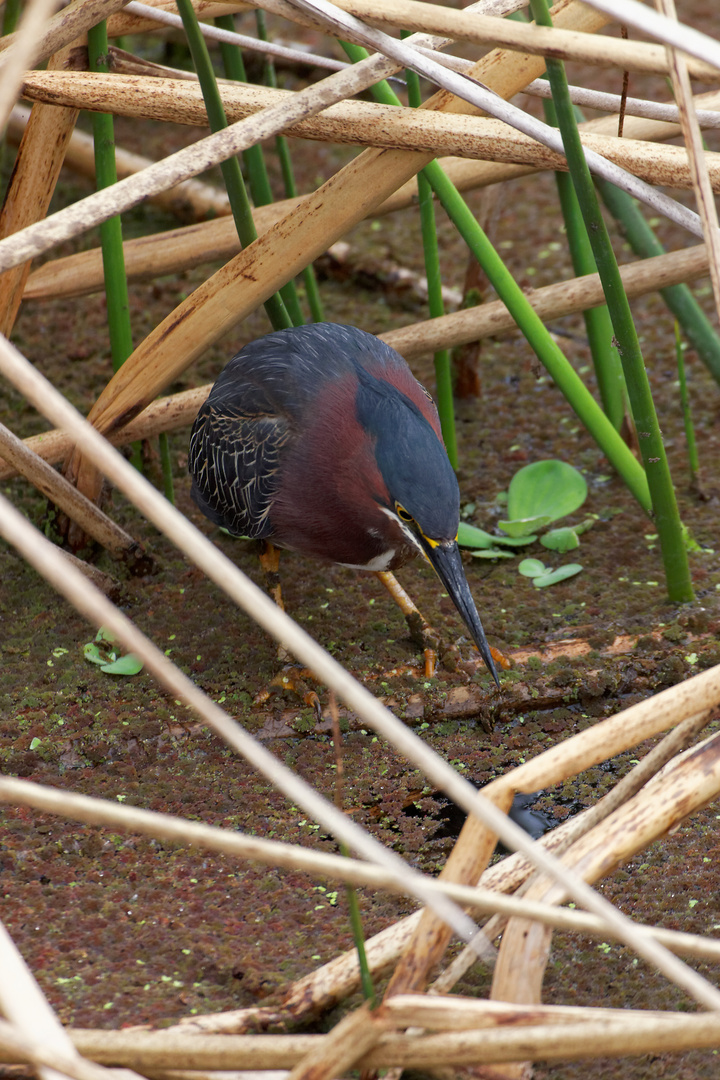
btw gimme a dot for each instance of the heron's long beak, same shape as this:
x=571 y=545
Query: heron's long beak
x=447 y=563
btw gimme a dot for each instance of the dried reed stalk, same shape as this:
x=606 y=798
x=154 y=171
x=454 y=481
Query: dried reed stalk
x=69 y=23
x=525 y=38
x=457 y=1013
x=101 y=812
x=614 y=1033
x=188 y=199
x=342 y=1048
x=665 y=802
x=38 y=164
x=165 y=414
x=674 y=743
x=180 y=249
x=124 y=22
x=362 y=123
x=702 y=182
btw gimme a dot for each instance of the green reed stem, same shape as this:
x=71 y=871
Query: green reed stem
x=111 y=240
x=606 y=361
x=366 y=983
x=693 y=459
x=234 y=183
x=664 y=504
x=116 y=290
x=679 y=299
x=529 y=323
x=443 y=373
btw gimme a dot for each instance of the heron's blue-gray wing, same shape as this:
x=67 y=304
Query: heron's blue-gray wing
x=234 y=460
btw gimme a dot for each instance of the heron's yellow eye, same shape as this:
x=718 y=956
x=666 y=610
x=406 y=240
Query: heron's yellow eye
x=402 y=513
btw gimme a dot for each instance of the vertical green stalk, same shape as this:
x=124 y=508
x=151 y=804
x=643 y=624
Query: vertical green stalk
x=11 y=14
x=111 y=240
x=239 y=202
x=283 y=148
x=680 y=300
x=116 y=290
x=366 y=983
x=665 y=511
x=693 y=458
x=608 y=368
x=538 y=337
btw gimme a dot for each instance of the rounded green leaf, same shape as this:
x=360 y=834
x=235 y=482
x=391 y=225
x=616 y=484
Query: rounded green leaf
x=562 y=540
x=549 y=489
x=562 y=572
x=532 y=568
x=492 y=553
x=524 y=525
x=516 y=541
x=471 y=537
x=125 y=665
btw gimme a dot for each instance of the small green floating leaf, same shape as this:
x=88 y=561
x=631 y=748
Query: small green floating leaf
x=549 y=489
x=471 y=537
x=516 y=541
x=562 y=572
x=562 y=540
x=532 y=568
x=492 y=553
x=125 y=665
x=92 y=653
x=105 y=634
x=523 y=526
x=35 y=743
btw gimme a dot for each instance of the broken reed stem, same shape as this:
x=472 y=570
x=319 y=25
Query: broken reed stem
x=76 y=219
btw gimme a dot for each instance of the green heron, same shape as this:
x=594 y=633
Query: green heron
x=319 y=439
